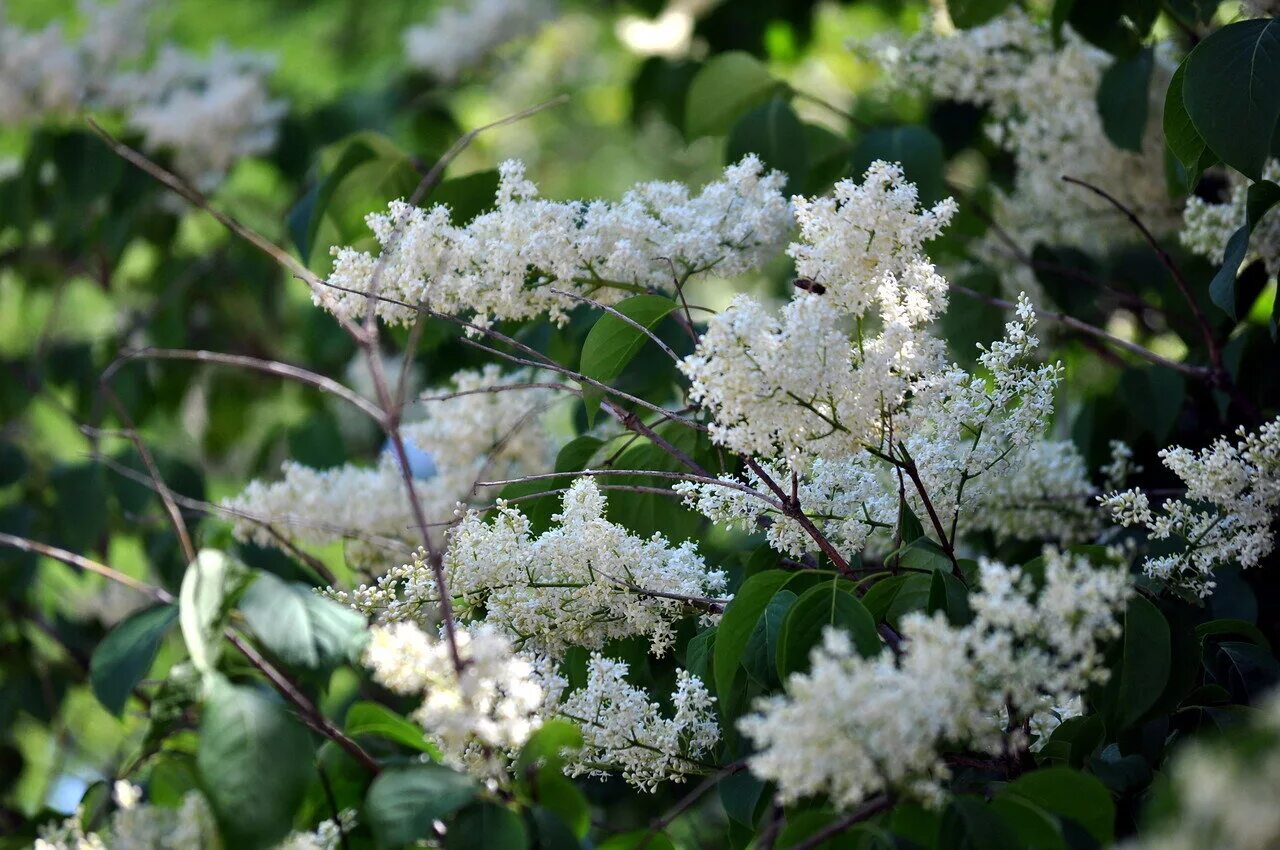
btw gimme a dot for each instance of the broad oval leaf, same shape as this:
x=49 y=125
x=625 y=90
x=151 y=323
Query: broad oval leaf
x=255 y=762
x=487 y=826
x=371 y=718
x=774 y=133
x=831 y=604
x=404 y=800
x=918 y=151
x=725 y=87
x=127 y=653
x=1070 y=794
x=612 y=342
x=1123 y=97
x=1261 y=197
x=1232 y=92
x=301 y=627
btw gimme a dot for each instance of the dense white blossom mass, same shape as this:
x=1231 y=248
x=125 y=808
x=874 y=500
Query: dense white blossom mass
x=207 y=111
x=519 y=260
x=488 y=424
x=1041 y=99
x=462 y=35
x=1233 y=490
x=853 y=727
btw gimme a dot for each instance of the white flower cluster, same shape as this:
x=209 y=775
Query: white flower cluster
x=207 y=111
x=585 y=582
x=495 y=428
x=843 y=414
x=797 y=386
x=1223 y=793
x=624 y=730
x=853 y=727
x=1041 y=99
x=1046 y=496
x=44 y=73
x=506 y=263
x=1207 y=226
x=210 y=111
x=476 y=715
x=463 y=35
x=1233 y=490
x=136 y=825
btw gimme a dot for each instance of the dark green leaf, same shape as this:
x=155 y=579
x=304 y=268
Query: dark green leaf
x=1069 y=794
x=13 y=464
x=970 y=13
x=127 y=653
x=255 y=762
x=300 y=626
x=1232 y=92
x=1123 y=95
x=830 y=604
x=1262 y=196
x=404 y=800
x=1143 y=667
x=774 y=133
x=918 y=150
x=487 y=826
x=1181 y=135
x=762 y=646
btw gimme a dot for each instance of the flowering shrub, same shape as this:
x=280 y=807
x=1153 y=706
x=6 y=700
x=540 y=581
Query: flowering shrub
x=901 y=472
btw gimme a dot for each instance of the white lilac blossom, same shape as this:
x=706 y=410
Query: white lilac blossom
x=584 y=582
x=1041 y=102
x=47 y=73
x=462 y=35
x=1233 y=490
x=1222 y=793
x=497 y=428
x=963 y=432
x=624 y=729
x=137 y=825
x=476 y=715
x=510 y=262
x=210 y=111
x=853 y=727
x=815 y=381
x=1045 y=496
x=1207 y=226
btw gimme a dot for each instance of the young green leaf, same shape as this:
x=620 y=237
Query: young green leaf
x=298 y=625
x=725 y=87
x=255 y=762
x=127 y=653
x=404 y=801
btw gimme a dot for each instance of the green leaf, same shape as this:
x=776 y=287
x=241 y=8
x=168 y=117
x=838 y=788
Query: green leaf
x=547 y=746
x=487 y=826
x=300 y=626
x=1117 y=26
x=1180 y=134
x=405 y=799
x=201 y=601
x=918 y=150
x=255 y=762
x=971 y=13
x=1143 y=668
x=557 y=794
x=1230 y=626
x=774 y=133
x=640 y=838
x=371 y=718
x=1123 y=95
x=613 y=342
x=725 y=87
x=1033 y=826
x=1262 y=196
x=739 y=621
x=1069 y=794
x=698 y=655
x=969 y=823
x=1232 y=92
x=830 y=604
x=762 y=646
x=13 y=464
x=127 y=653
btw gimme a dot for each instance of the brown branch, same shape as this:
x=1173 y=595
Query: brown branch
x=867 y=810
